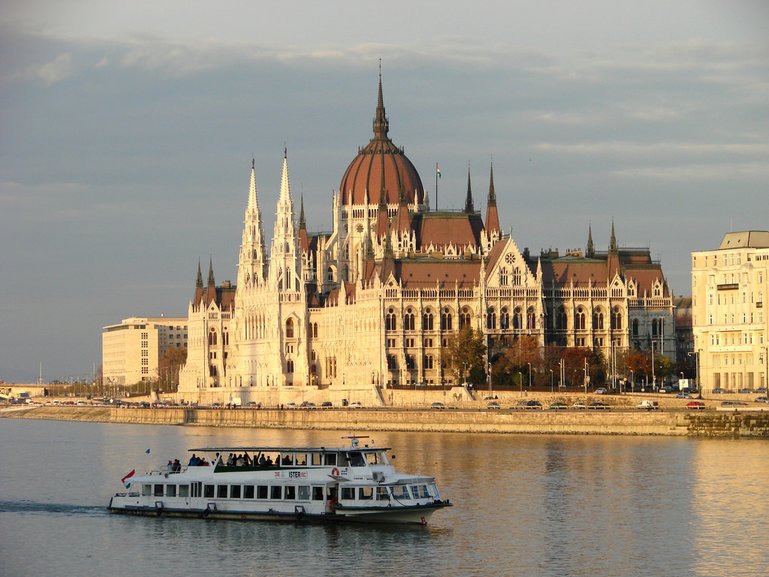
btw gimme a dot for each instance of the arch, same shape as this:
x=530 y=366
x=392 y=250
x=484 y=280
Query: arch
x=491 y=318
x=616 y=319
x=390 y=322
x=408 y=320
x=465 y=317
x=446 y=319
x=560 y=319
x=427 y=320
x=289 y=328
x=597 y=319
x=212 y=337
x=517 y=319
x=504 y=319
x=531 y=319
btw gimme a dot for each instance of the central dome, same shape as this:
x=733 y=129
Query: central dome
x=381 y=169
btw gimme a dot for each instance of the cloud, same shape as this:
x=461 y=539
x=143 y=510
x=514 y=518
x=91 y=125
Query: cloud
x=708 y=172
x=636 y=149
x=56 y=70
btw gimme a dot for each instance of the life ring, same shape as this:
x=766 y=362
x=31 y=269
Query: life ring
x=335 y=472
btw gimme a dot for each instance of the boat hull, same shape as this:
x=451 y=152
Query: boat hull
x=416 y=515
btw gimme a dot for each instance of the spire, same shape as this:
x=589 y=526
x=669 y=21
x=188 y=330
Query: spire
x=590 y=250
x=251 y=261
x=199 y=279
x=492 y=217
x=469 y=200
x=302 y=223
x=381 y=124
x=613 y=240
x=211 y=281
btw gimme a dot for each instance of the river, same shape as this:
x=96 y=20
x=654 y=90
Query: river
x=523 y=506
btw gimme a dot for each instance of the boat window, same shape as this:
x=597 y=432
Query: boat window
x=248 y=491
x=301 y=459
x=365 y=493
x=261 y=492
x=401 y=492
x=184 y=490
x=287 y=460
x=419 y=491
x=317 y=459
x=235 y=492
x=290 y=493
x=196 y=489
x=373 y=459
x=146 y=490
x=221 y=491
x=329 y=459
x=303 y=493
x=208 y=491
x=382 y=494
x=356 y=459
x=348 y=493
x=275 y=492
x=170 y=490
x=158 y=492
x=317 y=493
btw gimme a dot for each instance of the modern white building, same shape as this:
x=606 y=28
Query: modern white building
x=730 y=323
x=132 y=349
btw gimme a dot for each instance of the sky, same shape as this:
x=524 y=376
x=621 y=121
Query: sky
x=127 y=132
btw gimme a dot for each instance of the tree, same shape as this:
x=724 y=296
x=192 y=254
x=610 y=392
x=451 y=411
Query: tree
x=169 y=365
x=465 y=354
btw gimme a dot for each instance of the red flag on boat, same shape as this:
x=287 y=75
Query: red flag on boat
x=128 y=476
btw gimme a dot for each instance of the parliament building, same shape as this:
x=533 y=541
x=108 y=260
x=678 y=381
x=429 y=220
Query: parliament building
x=373 y=302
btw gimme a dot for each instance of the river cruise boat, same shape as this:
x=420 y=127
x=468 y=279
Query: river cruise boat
x=346 y=484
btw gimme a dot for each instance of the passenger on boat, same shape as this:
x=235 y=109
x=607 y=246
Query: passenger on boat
x=262 y=461
x=176 y=467
x=247 y=460
x=194 y=461
x=268 y=462
x=239 y=461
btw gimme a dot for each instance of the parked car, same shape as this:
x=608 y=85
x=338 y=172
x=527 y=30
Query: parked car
x=602 y=391
x=533 y=405
x=732 y=403
x=291 y=405
x=308 y=405
x=326 y=405
x=666 y=389
x=579 y=405
x=438 y=405
x=683 y=396
x=597 y=405
x=648 y=405
x=493 y=405
x=717 y=391
x=356 y=405
x=746 y=391
x=695 y=405
x=761 y=399
x=760 y=390
x=557 y=406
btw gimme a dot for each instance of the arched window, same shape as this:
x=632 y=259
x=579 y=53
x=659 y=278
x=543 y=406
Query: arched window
x=616 y=319
x=289 y=366
x=504 y=319
x=560 y=319
x=390 y=322
x=427 y=320
x=516 y=276
x=517 y=319
x=580 y=319
x=315 y=330
x=429 y=361
x=225 y=338
x=503 y=276
x=212 y=337
x=531 y=319
x=408 y=320
x=597 y=320
x=464 y=317
x=491 y=319
x=635 y=327
x=289 y=329
x=446 y=319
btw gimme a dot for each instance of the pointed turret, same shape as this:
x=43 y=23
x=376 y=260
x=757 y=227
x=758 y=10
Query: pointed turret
x=404 y=216
x=492 y=217
x=613 y=239
x=304 y=242
x=199 y=280
x=469 y=199
x=251 y=261
x=590 y=249
x=285 y=261
x=211 y=288
x=612 y=263
x=381 y=124
x=198 y=288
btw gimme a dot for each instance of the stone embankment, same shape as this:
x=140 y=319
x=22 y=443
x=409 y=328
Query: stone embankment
x=571 y=422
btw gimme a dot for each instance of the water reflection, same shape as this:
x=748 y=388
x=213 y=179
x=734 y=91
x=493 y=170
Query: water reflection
x=524 y=505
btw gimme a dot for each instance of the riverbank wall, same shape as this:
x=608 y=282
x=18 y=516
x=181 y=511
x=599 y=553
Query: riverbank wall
x=664 y=423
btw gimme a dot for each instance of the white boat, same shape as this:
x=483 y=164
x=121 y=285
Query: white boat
x=348 y=484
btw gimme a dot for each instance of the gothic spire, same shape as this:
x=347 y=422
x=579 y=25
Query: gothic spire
x=492 y=217
x=211 y=281
x=199 y=279
x=613 y=240
x=302 y=223
x=469 y=200
x=381 y=124
x=590 y=250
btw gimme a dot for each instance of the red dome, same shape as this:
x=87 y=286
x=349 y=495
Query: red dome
x=381 y=166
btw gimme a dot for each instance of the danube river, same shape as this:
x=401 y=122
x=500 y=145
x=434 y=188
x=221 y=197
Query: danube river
x=523 y=506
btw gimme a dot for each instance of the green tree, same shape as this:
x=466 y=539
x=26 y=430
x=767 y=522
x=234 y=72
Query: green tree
x=169 y=365
x=465 y=355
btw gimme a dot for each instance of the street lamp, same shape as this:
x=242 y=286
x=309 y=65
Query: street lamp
x=529 y=375
x=696 y=370
x=520 y=381
x=551 y=381
x=632 y=381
